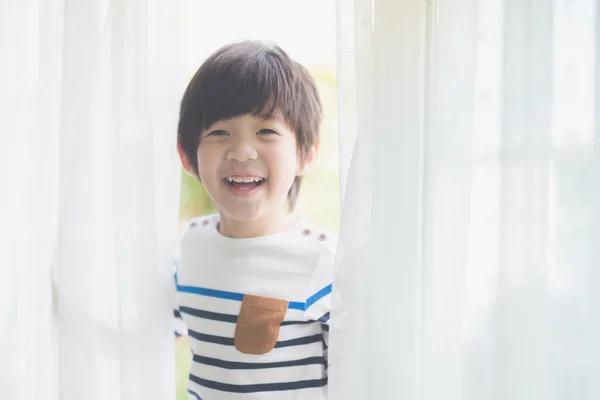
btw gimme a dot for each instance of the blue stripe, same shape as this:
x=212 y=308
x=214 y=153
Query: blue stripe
x=219 y=294
x=227 y=341
x=176 y=314
x=264 y=387
x=194 y=394
x=318 y=296
x=242 y=365
x=222 y=294
x=294 y=305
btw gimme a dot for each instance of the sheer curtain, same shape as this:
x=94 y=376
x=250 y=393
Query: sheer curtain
x=468 y=263
x=89 y=198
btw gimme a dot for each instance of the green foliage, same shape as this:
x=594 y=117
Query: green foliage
x=194 y=199
x=183 y=360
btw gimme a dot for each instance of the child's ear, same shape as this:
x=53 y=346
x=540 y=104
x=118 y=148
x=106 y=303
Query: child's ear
x=185 y=162
x=306 y=165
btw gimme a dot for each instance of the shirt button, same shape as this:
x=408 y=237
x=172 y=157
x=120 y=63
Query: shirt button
x=306 y=232
x=321 y=237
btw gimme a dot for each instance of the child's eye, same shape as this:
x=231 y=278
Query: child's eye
x=267 y=132
x=218 y=132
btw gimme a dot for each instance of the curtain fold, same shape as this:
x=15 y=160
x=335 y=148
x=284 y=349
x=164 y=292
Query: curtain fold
x=89 y=111
x=467 y=257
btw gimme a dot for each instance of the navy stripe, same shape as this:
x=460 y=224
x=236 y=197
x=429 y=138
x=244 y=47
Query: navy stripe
x=286 y=323
x=324 y=318
x=211 y=338
x=222 y=294
x=325 y=327
x=209 y=315
x=226 y=341
x=300 y=341
x=263 y=387
x=213 y=316
x=194 y=394
x=176 y=314
x=242 y=365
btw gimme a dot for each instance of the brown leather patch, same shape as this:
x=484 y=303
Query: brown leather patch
x=257 y=327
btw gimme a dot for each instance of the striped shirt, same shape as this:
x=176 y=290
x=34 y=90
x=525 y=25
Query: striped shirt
x=256 y=311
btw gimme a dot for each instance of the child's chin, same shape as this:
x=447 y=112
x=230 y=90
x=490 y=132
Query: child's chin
x=242 y=214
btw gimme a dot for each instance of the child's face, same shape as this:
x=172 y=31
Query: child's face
x=247 y=165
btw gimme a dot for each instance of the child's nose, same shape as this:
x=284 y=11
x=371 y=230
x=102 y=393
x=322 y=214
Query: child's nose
x=242 y=151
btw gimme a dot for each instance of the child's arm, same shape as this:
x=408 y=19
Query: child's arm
x=180 y=328
x=319 y=303
x=179 y=325
x=325 y=327
x=319 y=311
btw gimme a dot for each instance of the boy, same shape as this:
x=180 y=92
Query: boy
x=253 y=281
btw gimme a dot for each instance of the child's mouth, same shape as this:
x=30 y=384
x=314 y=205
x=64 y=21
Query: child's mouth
x=245 y=183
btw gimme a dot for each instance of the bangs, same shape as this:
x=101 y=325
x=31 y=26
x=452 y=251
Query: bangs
x=250 y=85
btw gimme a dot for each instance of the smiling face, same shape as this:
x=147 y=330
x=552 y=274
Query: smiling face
x=247 y=165
x=227 y=136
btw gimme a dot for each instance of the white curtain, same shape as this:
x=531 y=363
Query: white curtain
x=89 y=203
x=468 y=265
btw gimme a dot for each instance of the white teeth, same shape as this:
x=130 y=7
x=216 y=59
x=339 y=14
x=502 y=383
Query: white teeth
x=244 y=179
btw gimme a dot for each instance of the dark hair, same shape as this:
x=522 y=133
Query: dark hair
x=250 y=77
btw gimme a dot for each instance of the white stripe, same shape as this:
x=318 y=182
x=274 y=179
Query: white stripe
x=230 y=353
x=217 y=328
x=259 y=376
x=210 y=303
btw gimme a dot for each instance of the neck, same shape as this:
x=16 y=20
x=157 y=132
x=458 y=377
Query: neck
x=263 y=226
